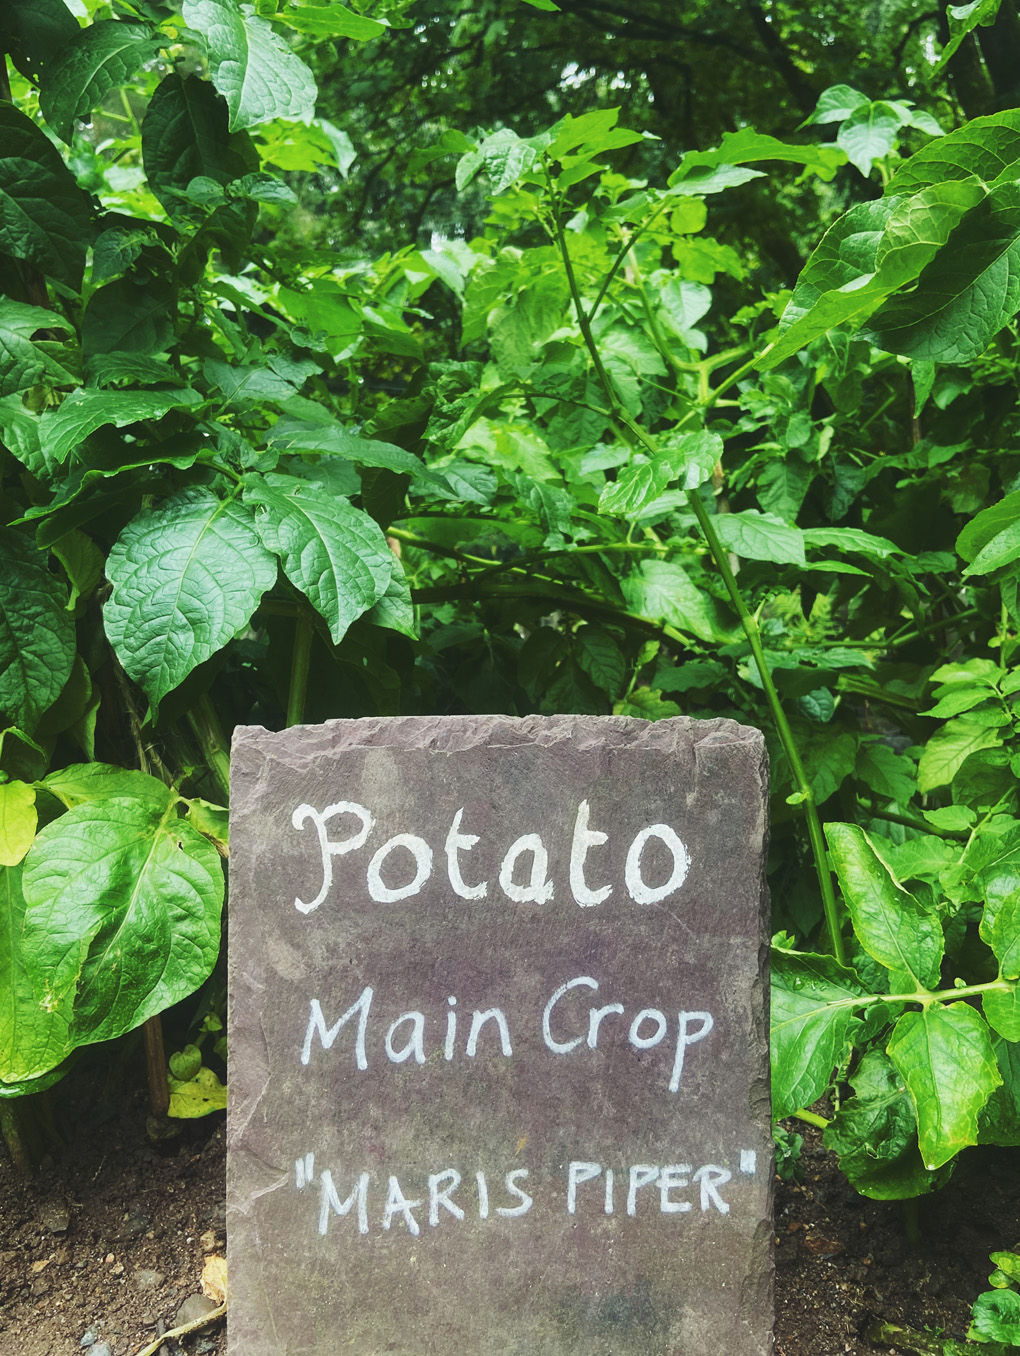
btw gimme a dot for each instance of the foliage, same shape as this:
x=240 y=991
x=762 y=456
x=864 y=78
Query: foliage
x=996 y=1314
x=580 y=461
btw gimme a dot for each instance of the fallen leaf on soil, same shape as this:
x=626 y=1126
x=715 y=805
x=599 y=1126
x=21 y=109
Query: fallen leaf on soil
x=214 y=1278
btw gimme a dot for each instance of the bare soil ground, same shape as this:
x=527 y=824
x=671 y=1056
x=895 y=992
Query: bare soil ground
x=111 y=1237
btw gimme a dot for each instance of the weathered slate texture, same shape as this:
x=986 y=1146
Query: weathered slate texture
x=656 y=1282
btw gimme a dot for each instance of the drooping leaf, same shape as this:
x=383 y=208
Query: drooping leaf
x=944 y=1054
x=333 y=552
x=748 y=147
x=44 y=215
x=185 y=135
x=97 y=59
x=130 y=314
x=874 y=1134
x=198 y=1096
x=963 y=19
x=252 y=66
x=34 y=31
x=889 y=922
x=37 y=642
x=122 y=914
x=334 y=440
x=186 y=576
x=661 y=590
x=24 y=362
x=83 y=411
x=812 y=1026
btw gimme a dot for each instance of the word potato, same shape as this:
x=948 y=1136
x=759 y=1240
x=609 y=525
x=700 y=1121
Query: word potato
x=497 y=1031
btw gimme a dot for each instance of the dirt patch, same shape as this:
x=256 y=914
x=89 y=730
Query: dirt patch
x=110 y=1239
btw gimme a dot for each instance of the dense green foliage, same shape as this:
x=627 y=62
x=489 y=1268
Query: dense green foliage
x=579 y=458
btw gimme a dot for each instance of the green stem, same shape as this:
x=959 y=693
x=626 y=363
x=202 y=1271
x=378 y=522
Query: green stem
x=922 y=825
x=810 y=1118
x=912 y=1222
x=205 y=725
x=299 y=669
x=804 y=791
x=928 y=1344
x=924 y=996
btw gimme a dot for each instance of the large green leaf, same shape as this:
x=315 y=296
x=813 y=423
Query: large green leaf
x=185 y=135
x=946 y=1058
x=760 y=536
x=84 y=782
x=948 y=749
x=186 y=576
x=99 y=58
x=664 y=591
x=874 y=1133
x=986 y=147
x=333 y=552
x=987 y=525
x=813 y=1024
x=889 y=922
x=252 y=66
x=130 y=314
x=18 y=820
x=123 y=914
x=83 y=411
x=36 y=632
x=335 y=440
x=34 y=31
x=748 y=147
x=331 y=21
x=869 y=134
x=44 y=215
x=968 y=291
x=24 y=362
x=33 y=1035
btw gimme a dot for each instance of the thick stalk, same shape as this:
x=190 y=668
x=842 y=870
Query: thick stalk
x=300 y=665
x=810 y=1118
x=155 y=1066
x=206 y=727
x=10 y=1128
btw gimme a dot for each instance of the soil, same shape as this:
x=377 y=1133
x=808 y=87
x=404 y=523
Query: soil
x=113 y=1233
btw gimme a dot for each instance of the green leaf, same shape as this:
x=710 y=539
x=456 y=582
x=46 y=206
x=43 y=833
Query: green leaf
x=636 y=485
x=947 y=750
x=812 y=1026
x=1000 y=928
x=334 y=440
x=664 y=591
x=889 y=922
x=968 y=291
x=334 y=553
x=83 y=411
x=37 y=642
x=17 y=821
x=602 y=659
x=986 y=147
x=185 y=136
x=874 y=1134
x=760 y=536
x=198 y=1096
x=83 y=782
x=1002 y=1011
x=131 y=314
x=186 y=576
x=748 y=146
x=869 y=134
x=836 y=103
x=692 y=456
x=33 y=1036
x=24 y=363
x=887 y=773
x=44 y=215
x=33 y=32
x=1003 y=549
x=504 y=157
x=252 y=67
x=987 y=524
x=123 y=914
x=394 y=610
x=331 y=21
x=945 y=1056
x=996 y=1313
x=963 y=19
x=99 y=58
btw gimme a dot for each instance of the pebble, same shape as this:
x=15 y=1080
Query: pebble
x=194 y=1308
x=145 y=1280
x=101 y=1349
x=89 y=1337
x=55 y=1216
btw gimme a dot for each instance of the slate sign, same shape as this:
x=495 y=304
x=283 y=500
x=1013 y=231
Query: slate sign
x=499 y=1076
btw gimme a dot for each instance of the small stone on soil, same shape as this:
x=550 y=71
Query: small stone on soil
x=194 y=1308
x=55 y=1216
x=145 y=1280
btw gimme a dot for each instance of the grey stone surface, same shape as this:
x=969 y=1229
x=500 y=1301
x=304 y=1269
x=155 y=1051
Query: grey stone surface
x=562 y=1178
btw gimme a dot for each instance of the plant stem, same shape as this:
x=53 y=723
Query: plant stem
x=810 y=1118
x=804 y=791
x=928 y=1344
x=10 y=1128
x=205 y=725
x=922 y=825
x=299 y=668
x=155 y=1066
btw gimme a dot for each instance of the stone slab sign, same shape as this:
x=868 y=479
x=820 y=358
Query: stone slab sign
x=499 y=1074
